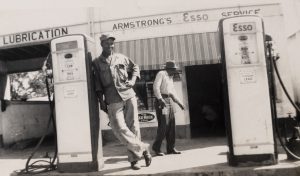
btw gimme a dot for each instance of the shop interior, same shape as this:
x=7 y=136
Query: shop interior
x=205 y=100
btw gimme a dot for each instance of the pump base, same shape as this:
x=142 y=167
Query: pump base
x=252 y=160
x=77 y=167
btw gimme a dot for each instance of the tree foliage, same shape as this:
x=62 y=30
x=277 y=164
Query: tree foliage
x=28 y=85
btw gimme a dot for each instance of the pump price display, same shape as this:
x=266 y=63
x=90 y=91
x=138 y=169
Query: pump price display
x=69 y=70
x=247 y=76
x=240 y=28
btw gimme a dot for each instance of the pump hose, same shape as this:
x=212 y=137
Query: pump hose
x=292 y=102
x=36 y=169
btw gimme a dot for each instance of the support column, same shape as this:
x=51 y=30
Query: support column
x=3 y=80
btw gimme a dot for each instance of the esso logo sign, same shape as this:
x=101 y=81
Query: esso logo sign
x=238 y=28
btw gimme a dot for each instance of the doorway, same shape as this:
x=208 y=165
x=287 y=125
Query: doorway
x=205 y=100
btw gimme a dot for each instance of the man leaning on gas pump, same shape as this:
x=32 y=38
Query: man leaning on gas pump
x=117 y=98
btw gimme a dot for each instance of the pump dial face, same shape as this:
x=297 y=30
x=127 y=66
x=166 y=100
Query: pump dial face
x=243 y=49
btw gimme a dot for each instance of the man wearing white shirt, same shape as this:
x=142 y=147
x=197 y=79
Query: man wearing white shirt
x=165 y=93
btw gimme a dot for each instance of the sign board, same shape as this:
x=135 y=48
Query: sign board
x=147 y=117
x=33 y=36
x=195 y=16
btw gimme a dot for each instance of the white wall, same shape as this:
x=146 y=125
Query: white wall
x=294 y=55
x=280 y=46
x=291 y=10
x=292 y=16
x=16 y=128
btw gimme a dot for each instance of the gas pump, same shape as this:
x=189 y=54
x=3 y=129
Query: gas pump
x=249 y=108
x=79 y=140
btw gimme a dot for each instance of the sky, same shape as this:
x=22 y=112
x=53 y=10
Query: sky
x=117 y=4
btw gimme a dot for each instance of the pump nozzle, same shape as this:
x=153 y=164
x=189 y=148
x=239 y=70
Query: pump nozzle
x=277 y=57
x=268 y=38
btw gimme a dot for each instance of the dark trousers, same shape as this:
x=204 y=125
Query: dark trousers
x=166 y=127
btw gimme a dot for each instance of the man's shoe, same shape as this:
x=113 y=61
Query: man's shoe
x=174 y=151
x=158 y=153
x=134 y=165
x=148 y=157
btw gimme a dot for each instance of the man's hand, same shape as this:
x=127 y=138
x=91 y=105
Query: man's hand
x=130 y=83
x=103 y=107
x=161 y=103
x=177 y=101
x=181 y=106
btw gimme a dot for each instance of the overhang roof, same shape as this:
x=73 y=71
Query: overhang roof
x=22 y=58
x=24 y=52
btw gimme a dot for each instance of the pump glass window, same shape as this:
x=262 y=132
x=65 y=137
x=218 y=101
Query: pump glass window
x=28 y=86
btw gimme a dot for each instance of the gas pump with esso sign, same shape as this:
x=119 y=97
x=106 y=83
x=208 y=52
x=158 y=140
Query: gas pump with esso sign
x=79 y=140
x=249 y=108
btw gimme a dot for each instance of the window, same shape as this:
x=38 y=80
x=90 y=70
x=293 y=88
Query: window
x=144 y=89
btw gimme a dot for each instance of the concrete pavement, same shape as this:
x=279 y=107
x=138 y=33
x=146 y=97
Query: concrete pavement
x=201 y=156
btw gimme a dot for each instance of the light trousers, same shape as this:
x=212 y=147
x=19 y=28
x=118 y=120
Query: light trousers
x=124 y=122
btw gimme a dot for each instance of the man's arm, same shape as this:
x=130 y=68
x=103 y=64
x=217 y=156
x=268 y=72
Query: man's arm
x=175 y=98
x=157 y=84
x=156 y=89
x=134 y=68
x=98 y=88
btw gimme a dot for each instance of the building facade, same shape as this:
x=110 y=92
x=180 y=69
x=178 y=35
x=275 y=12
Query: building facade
x=189 y=35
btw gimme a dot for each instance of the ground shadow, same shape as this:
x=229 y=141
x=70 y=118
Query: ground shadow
x=114 y=160
x=109 y=171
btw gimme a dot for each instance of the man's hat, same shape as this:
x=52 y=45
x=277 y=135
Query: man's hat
x=104 y=37
x=171 y=65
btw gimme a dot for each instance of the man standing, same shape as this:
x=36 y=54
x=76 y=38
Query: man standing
x=164 y=92
x=117 y=98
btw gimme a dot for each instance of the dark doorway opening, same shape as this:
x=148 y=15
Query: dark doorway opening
x=205 y=100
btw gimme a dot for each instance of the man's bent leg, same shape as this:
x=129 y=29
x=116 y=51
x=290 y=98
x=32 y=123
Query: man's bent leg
x=131 y=117
x=122 y=132
x=132 y=122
